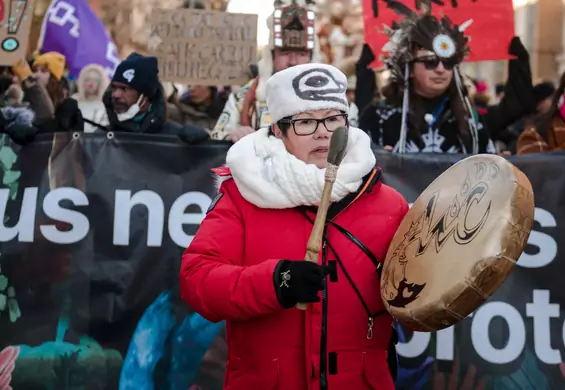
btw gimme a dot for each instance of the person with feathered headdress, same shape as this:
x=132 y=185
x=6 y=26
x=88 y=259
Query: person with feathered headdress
x=292 y=41
x=427 y=108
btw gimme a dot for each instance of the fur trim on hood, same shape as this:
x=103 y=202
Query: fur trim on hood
x=18 y=116
x=79 y=96
x=218 y=180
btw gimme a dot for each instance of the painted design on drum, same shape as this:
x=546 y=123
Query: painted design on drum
x=432 y=231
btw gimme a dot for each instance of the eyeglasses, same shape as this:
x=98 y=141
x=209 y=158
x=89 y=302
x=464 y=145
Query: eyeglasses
x=308 y=126
x=432 y=62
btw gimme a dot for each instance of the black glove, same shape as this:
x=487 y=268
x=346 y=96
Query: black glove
x=366 y=58
x=69 y=116
x=191 y=134
x=518 y=49
x=298 y=281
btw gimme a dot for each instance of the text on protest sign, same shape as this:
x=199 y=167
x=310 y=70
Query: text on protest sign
x=203 y=47
x=491 y=30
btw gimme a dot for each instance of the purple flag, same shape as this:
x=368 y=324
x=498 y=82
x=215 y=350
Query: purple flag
x=71 y=27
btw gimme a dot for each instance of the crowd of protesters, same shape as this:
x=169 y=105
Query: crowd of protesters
x=38 y=97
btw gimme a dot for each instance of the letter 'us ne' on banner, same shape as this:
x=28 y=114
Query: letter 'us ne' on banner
x=491 y=31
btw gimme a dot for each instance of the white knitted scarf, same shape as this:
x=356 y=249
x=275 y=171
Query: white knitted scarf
x=270 y=177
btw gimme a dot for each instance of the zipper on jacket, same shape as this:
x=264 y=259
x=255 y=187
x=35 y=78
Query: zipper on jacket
x=371 y=316
x=324 y=338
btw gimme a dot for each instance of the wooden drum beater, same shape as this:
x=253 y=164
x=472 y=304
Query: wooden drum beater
x=336 y=153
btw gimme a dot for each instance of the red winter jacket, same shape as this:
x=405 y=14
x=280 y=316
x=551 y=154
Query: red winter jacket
x=227 y=274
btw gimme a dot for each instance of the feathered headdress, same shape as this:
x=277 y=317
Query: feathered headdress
x=422 y=31
x=439 y=36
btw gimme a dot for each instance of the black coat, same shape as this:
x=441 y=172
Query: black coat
x=155 y=121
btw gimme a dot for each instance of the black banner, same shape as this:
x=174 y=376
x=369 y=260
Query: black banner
x=90 y=246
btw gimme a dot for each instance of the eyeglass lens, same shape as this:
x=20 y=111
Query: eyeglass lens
x=309 y=126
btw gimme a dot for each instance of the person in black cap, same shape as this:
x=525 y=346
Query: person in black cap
x=135 y=101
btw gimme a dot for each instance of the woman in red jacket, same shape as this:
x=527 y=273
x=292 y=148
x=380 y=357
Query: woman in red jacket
x=245 y=264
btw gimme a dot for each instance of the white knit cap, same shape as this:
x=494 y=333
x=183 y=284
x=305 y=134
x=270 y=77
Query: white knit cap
x=307 y=87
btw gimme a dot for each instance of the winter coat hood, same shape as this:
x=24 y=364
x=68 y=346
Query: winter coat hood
x=105 y=81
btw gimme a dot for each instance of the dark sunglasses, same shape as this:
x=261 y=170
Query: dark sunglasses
x=432 y=62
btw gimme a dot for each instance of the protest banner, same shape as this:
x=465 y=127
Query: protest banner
x=15 y=19
x=491 y=30
x=90 y=250
x=203 y=47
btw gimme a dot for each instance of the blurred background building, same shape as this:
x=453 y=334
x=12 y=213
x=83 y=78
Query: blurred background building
x=539 y=23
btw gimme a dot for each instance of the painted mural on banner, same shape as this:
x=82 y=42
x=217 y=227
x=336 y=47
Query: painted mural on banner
x=90 y=249
x=491 y=30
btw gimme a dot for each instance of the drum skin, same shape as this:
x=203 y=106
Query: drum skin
x=458 y=243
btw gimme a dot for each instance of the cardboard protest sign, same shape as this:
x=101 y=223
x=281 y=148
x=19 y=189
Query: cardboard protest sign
x=16 y=18
x=491 y=31
x=203 y=47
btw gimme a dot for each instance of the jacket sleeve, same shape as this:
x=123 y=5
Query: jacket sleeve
x=192 y=134
x=229 y=118
x=365 y=84
x=174 y=113
x=39 y=100
x=213 y=281
x=518 y=92
x=531 y=142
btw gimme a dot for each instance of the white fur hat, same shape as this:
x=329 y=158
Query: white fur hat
x=306 y=87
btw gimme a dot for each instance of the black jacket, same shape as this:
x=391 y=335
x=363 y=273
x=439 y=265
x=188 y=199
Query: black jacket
x=154 y=121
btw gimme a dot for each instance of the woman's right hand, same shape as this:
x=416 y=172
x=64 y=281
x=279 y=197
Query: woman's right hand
x=298 y=281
